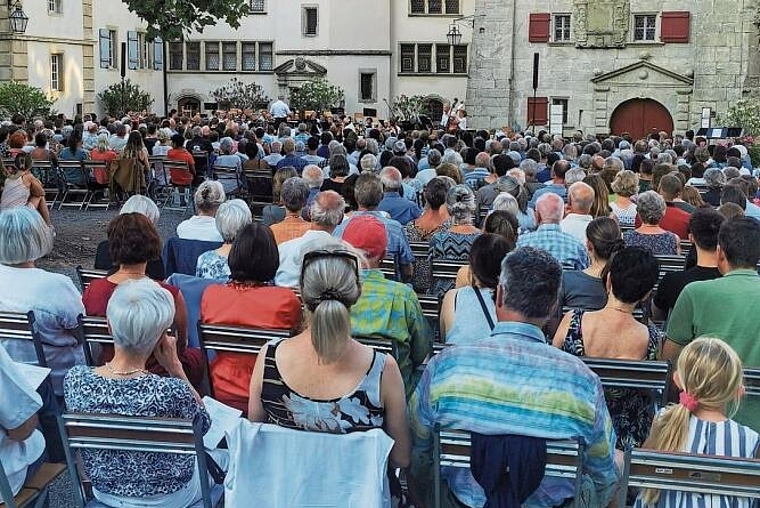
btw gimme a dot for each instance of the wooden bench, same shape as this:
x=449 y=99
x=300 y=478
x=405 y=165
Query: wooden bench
x=18 y=326
x=637 y=374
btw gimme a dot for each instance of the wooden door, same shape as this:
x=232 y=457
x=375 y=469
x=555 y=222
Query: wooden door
x=640 y=117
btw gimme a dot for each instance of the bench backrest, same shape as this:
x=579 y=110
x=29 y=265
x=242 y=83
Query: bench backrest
x=19 y=326
x=640 y=374
x=94 y=333
x=446 y=269
x=87 y=275
x=752 y=382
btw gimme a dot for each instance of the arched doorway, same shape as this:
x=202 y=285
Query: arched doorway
x=640 y=117
x=189 y=106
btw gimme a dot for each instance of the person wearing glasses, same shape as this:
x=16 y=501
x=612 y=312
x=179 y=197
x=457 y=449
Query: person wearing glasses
x=322 y=380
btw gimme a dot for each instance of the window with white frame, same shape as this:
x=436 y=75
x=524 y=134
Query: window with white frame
x=55 y=6
x=561 y=27
x=644 y=27
x=56 y=71
x=229 y=56
x=146 y=51
x=310 y=21
x=367 y=86
x=561 y=101
x=107 y=45
x=258 y=6
x=434 y=7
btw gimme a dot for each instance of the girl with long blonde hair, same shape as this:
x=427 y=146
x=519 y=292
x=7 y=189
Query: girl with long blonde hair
x=709 y=374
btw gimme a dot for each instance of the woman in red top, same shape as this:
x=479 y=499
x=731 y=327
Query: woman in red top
x=250 y=300
x=178 y=152
x=133 y=241
x=103 y=150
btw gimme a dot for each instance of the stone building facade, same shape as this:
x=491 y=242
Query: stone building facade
x=614 y=65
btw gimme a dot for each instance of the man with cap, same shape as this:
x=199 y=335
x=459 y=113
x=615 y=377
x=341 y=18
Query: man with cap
x=386 y=308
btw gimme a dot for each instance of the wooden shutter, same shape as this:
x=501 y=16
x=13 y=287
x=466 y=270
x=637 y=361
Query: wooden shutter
x=538 y=111
x=538 y=28
x=133 y=51
x=158 y=54
x=674 y=26
x=104 y=42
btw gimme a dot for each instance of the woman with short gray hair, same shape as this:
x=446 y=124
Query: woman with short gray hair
x=53 y=297
x=651 y=209
x=325 y=351
x=455 y=243
x=232 y=216
x=715 y=179
x=209 y=196
x=139 y=313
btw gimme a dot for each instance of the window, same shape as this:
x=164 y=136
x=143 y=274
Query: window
x=56 y=71
x=367 y=86
x=460 y=59
x=176 y=56
x=310 y=19
x=266 y=56
x=55 y=7
x=644 y=27
x=108 y=44
x=249 y=56
x=442 y=58
x=561 y=28
x=145 y=51
x=193 y=56
x=258 y=6
x=407 y=58
x=229 y=56
x=561 y=102
x=133 y=51
x=212 y=56
x=434 y=7
x=424 y=58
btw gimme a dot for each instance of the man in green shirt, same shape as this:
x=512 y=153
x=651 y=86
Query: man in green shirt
x=727 y=308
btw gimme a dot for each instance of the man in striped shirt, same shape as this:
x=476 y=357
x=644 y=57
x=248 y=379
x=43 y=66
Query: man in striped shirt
x=514 y=383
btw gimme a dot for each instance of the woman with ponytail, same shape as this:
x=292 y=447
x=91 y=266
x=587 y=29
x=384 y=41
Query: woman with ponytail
x=322 y=380
x=709 y=374
x=613 y=332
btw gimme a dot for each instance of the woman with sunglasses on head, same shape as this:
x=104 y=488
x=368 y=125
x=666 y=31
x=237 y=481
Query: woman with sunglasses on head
x=322 y=380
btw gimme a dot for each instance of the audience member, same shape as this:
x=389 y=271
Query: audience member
x=232 y=216
x=625 y=185
x=651 y=209
x=294 y=194
x=394 y=203
x=580 y=198
x=557 y=185
x=22 y=189
x=208 y=197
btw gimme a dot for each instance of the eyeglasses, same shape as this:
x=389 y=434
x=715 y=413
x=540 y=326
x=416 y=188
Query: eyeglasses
x=314 y=255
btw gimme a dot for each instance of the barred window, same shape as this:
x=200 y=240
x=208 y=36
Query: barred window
x=460 y=59
x=193 y=56
x=452 y=6
x=424 y=58
x=176 y=56
x=249 y=56
x=266 y=56
x=443 y=58
x=257 y=5
x=229 y=56
x=212 y=56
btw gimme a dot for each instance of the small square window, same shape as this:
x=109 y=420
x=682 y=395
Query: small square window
x=417 y=7
x=258 y=6
x=435 y=6
x=310 y=21
x=644 y=27
x=562 y=27
x=452 y=6
x=55 y=6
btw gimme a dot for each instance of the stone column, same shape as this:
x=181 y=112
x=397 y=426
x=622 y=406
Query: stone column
x=88 y=58
x=490 y=80
x=601 y=114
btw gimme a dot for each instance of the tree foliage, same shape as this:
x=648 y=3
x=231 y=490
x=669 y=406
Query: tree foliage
x=26 y=100
x=238 y=94
x=173 y=19
x=744 y=113
x=118 y=99
x=409 y=107
x=316 y=95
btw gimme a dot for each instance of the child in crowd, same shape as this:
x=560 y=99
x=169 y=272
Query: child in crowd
x=22 y=188
x=709 y=373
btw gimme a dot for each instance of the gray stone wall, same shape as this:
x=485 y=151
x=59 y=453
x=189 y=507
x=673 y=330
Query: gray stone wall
x=718 y=66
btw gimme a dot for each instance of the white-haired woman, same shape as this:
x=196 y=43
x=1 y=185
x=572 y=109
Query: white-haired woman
x=208 y=197
x=334 y=383
x=454 y=244
x=53 y=297
x=147 y=207
x=103 y=151
x=139 y=313
x=231 y=217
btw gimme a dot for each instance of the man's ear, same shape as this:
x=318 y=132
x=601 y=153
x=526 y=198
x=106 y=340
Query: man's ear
x=499 y=296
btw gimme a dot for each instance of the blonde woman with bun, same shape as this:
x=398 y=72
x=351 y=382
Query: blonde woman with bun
x=709 y=374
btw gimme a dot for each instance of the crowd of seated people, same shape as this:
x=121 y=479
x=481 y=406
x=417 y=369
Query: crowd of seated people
x=550 y=270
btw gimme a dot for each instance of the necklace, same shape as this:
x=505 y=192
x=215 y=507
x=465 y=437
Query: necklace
x=620 y=309
x=110 y=369
x=141 y=274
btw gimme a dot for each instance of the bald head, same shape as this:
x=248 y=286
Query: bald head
x=391 y=179
x=482 y=160
x=580 y=198
x=313 y=175
x=550 y=208
x=327 y=210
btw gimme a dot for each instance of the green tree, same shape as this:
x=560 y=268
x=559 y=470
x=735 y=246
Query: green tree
x=316 y=95
x=744 y=113
x=172 y=19
x=24 y=99
x=119 y=98
x=238 y=94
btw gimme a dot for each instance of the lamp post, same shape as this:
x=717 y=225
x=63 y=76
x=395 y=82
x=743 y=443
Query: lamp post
x=18 y=19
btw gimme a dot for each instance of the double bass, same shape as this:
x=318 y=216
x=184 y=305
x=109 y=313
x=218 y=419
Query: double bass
x=452 y=125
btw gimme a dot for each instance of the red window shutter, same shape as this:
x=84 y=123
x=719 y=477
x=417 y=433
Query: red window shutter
x=674 y=26
x=538 y=28
x=538 y=111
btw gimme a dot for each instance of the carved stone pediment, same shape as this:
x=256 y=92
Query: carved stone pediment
x=601 y=23
x=643 y=73
x=300 y=67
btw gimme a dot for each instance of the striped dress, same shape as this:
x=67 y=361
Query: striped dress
x=727 y=439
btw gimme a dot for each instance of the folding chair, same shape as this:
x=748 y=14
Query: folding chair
x=648 y=375
x=233 y=339
x=669 y=264
x=259 y=189
x=180 y=185
x=388 y=267
x=231 y=179
x=699 y=474
x=451 y=448
x=94 y=173
x=138 y=435
x=34 y=493
x=77 y=184
x=446 y=269
x=94 y=334
x=53 y=182
x=87 y=275
x=158 y=175
x=17 y=326
x=202 y=161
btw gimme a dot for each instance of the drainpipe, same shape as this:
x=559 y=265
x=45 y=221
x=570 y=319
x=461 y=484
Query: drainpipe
x=164 y=76
x=511 y=102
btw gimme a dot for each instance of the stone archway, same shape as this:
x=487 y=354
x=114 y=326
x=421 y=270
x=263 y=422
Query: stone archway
x=189 y=105
x=640 y=117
